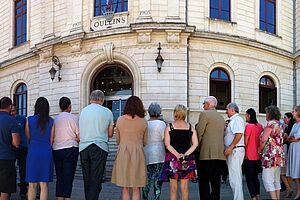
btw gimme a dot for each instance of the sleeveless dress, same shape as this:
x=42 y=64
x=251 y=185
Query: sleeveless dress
x=180 y=140
x=39 y=163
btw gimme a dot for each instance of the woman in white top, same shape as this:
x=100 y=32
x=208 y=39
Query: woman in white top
x=65 y=149
x=293 y=164
x=154 y=151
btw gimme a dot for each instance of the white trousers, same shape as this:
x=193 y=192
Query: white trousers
x=234 y=162
x=271 y=178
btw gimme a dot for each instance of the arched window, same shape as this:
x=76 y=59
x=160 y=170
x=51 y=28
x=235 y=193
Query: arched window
x=220 y=87
x=267 y=93
x=20 y=99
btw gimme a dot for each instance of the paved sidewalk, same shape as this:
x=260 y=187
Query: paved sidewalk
x=112 y=192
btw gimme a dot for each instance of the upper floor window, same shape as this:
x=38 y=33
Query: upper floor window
x=267 y=93
x=220 y=87
x=100 y=6
x=220 y=9
x=20 y=21
x=20 y=99
x=267 y=17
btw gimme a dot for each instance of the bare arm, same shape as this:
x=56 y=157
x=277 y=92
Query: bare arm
x=52 y=134
x=264 y=138
x=169 y=146
x=27 y=132
x=111 y=131
x=236 y=140
x=16 y=139
x=194 y=143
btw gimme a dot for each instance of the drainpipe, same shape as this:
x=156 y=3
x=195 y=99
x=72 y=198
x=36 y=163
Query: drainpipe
x=186 y=12
x=294 y=51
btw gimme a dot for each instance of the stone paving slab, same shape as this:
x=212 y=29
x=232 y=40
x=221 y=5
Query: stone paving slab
x=113 y=192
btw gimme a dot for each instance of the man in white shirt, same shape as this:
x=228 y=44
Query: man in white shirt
x=235 y=150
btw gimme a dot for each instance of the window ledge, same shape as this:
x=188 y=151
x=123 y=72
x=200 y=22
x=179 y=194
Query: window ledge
x=221 y=20
x=20 y=46
x=268 y=33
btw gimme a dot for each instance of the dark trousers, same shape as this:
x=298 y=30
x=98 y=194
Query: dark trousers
x=252 y=168
x=21 y=155
x=93 y=160
x=209 y=175
x=65 y=161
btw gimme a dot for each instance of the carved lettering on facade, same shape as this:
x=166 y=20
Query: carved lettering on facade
x=100 y=23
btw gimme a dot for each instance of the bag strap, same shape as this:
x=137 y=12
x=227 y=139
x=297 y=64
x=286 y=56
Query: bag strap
x=171 y=126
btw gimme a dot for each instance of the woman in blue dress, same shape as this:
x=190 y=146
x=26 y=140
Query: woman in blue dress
x=39 y=164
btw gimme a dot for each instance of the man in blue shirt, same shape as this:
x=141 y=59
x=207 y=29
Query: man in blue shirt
x=9 y=139
x=95 y=127
x=21 y=152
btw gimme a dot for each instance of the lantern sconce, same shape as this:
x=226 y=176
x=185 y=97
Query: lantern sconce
x=53 y=71
x=159 y=59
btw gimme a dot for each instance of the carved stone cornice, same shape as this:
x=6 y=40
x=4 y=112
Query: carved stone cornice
x=144 y=36
x=46 y=54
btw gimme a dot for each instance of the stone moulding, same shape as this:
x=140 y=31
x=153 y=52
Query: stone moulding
x=108 y=52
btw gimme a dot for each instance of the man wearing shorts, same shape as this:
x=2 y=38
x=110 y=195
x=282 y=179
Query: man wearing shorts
x=9 y=139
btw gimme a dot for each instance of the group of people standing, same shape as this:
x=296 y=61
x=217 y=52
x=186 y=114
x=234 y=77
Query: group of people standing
x=149 y=152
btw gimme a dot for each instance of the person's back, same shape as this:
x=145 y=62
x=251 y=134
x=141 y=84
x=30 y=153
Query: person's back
x=93 y=122
x=7 y=127
x=212 y=141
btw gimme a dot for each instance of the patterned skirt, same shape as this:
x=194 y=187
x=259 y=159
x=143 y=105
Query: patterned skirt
x=175 y=169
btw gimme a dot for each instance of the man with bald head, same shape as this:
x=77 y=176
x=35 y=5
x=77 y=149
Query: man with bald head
x=210 y=131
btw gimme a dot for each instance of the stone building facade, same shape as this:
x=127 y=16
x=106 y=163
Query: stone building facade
x=199 y=49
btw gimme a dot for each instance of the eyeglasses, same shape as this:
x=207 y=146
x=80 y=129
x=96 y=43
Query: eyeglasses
x=204 y=103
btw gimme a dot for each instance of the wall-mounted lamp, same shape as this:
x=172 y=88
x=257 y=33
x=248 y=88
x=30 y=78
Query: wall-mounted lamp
x=159 y=59
x=53 y=71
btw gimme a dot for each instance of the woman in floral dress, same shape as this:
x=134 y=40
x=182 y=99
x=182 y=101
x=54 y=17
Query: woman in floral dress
x=271 y=146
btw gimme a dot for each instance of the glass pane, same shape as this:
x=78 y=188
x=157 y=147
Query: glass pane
x=271 y=29
x=262 y=13
x=18 y=3
x=214 y=4
x=18 y=27
x=262 y=26
x=214 y=13
x=214 y=74
x=225 y=5
x=224 y=76
x=24 y=101
x=271 y=13
x=115 y=109
x=225 y=15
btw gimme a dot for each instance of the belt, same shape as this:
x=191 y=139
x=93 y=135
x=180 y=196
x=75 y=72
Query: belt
x=237 y=147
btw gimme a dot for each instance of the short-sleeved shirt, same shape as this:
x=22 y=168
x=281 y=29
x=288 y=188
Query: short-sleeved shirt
x=66 y=131
x=8 y=125
x=236 y=125
x=253 y=131
x=21 y=120
x=94 y=121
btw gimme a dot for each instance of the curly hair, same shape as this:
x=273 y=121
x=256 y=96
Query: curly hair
x=134 y=106
x=273 y=112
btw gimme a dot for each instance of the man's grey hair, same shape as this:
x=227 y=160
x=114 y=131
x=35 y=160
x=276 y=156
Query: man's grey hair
x=213 y=102
x=233 y=106
x=154 y=110
x=97 y=95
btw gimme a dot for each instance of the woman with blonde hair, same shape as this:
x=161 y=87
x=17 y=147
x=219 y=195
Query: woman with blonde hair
x=180 y=141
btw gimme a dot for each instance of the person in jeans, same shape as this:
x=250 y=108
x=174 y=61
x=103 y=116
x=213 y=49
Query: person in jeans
x=271 y=146
x=210 y=131
x=21 y=152
x=234 y=150
x=252 y=161
x=65 y=149
x=9 y=139
x=154 y=151
x=95 y=126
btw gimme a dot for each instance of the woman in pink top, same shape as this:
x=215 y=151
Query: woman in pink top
x=252 y=161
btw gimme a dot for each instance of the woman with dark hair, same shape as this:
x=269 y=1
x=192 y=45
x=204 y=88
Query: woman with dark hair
x=289 y=121
x=129 y=169
x=65 y=149
x=271 y=146
x=252 y=161
x=39 y=163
